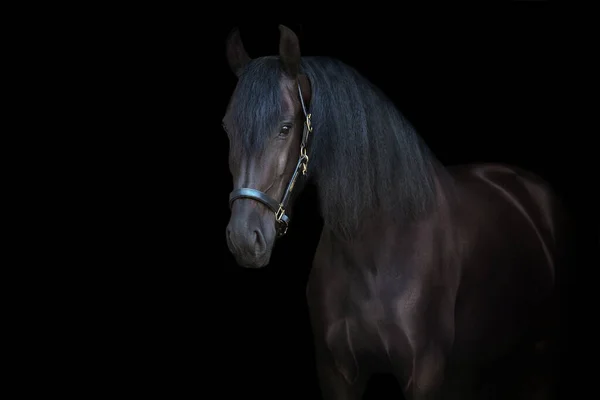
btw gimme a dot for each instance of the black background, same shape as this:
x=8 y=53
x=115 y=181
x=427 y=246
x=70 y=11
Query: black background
x=478 y=88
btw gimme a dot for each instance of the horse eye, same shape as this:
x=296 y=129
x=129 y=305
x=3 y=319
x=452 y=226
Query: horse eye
x=285 y=130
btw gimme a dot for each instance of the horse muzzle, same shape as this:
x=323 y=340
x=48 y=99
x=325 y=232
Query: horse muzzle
x=249 y=238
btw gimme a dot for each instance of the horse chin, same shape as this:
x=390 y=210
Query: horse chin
x=255 y=263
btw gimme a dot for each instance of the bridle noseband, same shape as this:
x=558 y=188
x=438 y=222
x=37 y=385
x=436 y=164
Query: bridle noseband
x=278 y=208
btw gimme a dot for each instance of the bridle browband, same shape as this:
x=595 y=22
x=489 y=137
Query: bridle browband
x=278 y=208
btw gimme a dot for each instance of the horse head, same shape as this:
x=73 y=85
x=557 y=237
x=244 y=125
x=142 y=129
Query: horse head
x=268 y=127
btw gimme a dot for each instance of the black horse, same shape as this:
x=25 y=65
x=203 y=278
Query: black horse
x=438 y=275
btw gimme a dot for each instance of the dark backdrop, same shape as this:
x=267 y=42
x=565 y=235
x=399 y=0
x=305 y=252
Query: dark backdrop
x=477 y=88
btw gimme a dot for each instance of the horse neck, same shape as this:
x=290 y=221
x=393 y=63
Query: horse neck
x=378 y=239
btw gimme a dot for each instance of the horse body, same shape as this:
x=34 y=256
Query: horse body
x=458 y=288
x=444 y=277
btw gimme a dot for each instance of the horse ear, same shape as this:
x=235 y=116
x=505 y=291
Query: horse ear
x=289 y=51
x=236 y=54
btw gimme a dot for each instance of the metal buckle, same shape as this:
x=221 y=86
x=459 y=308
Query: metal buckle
x=279 y=214
x=303 y=160
x=283 y=226
x=308 y=123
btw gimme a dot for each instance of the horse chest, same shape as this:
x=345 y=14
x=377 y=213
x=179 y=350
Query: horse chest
x=363 y=327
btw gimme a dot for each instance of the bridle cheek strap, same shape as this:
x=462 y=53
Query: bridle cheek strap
x=279 y=208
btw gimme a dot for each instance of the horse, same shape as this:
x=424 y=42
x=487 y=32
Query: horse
x=445 y=277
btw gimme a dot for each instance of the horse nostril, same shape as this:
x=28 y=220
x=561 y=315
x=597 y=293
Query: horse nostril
x=259 y=244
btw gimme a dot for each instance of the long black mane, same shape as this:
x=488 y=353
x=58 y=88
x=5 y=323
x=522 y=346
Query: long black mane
x=365 y=157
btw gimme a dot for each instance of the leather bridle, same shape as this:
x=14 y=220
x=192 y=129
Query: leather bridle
x=279 y=208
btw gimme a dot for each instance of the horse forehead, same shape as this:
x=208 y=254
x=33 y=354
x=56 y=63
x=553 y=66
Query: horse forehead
x=289 y=101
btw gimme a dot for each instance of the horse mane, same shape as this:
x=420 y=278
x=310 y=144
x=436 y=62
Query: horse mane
x=366 y=159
